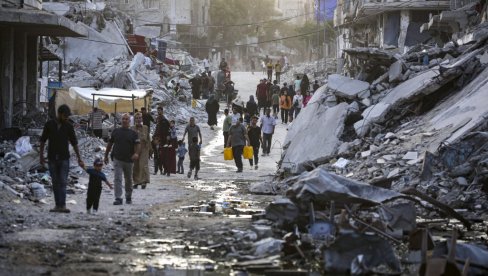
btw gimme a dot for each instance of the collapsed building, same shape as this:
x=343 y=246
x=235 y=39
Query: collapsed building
x=22 y=24
x=385 y=151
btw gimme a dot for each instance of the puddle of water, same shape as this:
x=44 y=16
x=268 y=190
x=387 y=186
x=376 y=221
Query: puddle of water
x=171 y=256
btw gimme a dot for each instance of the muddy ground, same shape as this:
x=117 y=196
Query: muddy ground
x=169 y=229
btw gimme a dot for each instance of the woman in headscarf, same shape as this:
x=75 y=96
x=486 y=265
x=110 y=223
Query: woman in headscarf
x=252 y=106
x=140 y=173
x=304 y=85
x=212 y=108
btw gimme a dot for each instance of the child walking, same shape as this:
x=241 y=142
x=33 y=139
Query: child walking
x=181 y=156
x=194 y=152
x=95 y=185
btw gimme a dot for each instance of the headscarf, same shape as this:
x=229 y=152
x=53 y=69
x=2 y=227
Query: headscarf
x=251 y=99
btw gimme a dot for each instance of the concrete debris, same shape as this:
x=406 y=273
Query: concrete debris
x=375 y=252
x=346 y=87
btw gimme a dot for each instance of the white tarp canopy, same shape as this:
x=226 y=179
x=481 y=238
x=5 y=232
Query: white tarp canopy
x=80 y=99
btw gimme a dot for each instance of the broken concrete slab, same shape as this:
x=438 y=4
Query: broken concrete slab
x=318 y=125
x=410 y=90
x=461 y=113
x=346 y=87
x=411 y=155
x=395 y=71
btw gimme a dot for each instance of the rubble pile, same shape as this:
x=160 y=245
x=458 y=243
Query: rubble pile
x=394 y=162
x=22 y=175
x=317 y=70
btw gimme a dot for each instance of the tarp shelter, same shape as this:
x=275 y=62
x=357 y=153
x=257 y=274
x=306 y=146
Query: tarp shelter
x=80 y=100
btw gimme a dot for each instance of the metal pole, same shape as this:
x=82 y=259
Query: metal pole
x=133 y=104
x=318 y=33
x=60 y=71
x=93 y=107
x=115 y=115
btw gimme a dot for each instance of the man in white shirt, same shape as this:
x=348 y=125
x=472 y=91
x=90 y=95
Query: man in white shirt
x=268 y=124
x=206 y=65
x=297 y=103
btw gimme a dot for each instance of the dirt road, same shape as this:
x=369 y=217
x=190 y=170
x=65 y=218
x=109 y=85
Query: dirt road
x=171 y=226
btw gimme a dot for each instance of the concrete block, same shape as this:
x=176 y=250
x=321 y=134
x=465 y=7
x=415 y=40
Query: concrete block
x=346 y=87
x=395 y=72
x=411 y=155
x=318 y=125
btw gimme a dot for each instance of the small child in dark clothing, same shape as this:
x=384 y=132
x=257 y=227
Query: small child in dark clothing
x=95 y=185
x=194 y=152
x=181 y=151
x=247 y=117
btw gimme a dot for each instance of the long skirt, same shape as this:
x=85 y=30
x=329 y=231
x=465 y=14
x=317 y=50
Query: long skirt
x=140 y=173
x=212 y=119
x=167 y=157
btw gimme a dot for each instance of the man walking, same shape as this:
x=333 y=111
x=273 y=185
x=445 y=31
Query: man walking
x=278 y=71
x=254 y=133
x=226 y=126
x=193 y=130
x=147 y=118
x=161 y=136
x=206 y=65
x=59 y=132
x=268 y=124
x=126 y=147
x=262 y=94
x=238 y=138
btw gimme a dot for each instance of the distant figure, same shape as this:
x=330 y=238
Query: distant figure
x=316 y=85
x=206 y=65
x=262 y=94
x=194 y=152
x=212 y=108
x=226 y=125
x=297 y=103
x=181 y=151
x=269 y=69
x=238 y=139
x=285 y=105
x=304 y=85
x=268 y=124
x=278 y=71
x=306 y=99
x=252 y=106
x=297 y=84
x=223 y=65
x=146 y=118
x=254 y=133
x=253 y=66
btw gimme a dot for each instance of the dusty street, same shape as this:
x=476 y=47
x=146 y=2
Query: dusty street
x=169 y=227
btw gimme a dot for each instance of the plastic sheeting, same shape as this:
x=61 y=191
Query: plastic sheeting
x=80 y=99
x=321 y=186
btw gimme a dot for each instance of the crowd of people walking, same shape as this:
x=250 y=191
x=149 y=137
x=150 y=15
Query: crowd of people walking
x=131 y=146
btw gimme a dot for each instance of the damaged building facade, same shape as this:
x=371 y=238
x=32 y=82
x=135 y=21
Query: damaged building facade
x=22 y=23
x=183 y=20
x=383 y=24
